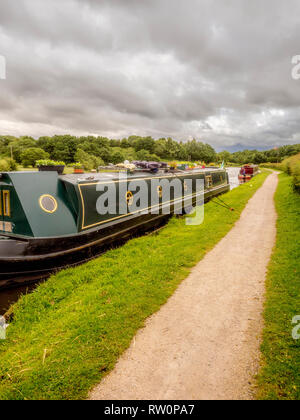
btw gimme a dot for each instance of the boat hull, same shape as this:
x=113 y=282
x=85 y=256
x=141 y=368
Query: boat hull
x=245 y=177
x=29 y=260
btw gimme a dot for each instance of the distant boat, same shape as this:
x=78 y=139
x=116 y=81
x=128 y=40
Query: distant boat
x=50 y=221
x=247 y=172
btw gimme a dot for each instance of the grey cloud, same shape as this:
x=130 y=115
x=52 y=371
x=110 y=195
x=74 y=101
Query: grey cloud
x=218 y=71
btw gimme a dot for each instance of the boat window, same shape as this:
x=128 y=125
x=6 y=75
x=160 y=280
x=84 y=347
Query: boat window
x=209 y=181
x=48 y=203
x=6 y=203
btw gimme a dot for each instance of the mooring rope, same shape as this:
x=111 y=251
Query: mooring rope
x=222 y=203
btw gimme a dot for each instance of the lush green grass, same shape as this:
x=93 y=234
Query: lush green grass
x=280 y=375
x=276 y=166
x=70 y=332
x=292 y=167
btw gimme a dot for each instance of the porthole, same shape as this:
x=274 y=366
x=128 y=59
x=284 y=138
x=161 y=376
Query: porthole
x=129 y=198
x=48 y=203
x=159 y=191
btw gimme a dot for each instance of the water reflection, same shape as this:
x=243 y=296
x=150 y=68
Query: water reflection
x=234 y=177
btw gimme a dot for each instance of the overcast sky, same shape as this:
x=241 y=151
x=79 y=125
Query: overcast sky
x=219 y=71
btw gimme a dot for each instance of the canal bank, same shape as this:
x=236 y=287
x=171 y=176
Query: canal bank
x=279 y=377
x=70 y=332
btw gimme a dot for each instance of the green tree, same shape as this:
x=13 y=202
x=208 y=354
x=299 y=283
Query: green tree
x=160 y=148
x=115 y=143
x=145 y=155
x=7 y=165
x=65 y=148
x=224 y=156
x=125 y=144
x=144 y=143
x=116 y=157
x=48 y=144
x=20 y=145
x=200 y=151
x=88 y=161
x=182 y=153
x=30 y=156
x=5 y=142
x=173 y=148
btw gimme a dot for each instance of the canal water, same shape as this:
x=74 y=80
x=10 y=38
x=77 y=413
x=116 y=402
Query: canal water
x=233 y=177
x=8 y=297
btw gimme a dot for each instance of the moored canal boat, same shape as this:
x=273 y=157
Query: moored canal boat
x=50 y=221
x=247 y=172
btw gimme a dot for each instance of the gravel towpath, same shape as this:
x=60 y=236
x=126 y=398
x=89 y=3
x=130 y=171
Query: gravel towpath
x=204 y=342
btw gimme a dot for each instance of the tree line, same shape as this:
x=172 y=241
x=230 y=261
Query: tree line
x=95 y=151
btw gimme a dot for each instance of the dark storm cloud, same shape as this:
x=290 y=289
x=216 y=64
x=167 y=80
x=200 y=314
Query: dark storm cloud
x=217 y=71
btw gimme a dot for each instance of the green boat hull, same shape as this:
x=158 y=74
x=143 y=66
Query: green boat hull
x=64 y=228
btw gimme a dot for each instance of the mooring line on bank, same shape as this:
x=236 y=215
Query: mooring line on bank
x=222 y=203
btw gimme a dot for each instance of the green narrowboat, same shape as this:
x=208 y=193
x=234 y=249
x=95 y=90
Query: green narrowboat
x=50 y=221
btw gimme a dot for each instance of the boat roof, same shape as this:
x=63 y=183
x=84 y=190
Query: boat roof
x=107 y=176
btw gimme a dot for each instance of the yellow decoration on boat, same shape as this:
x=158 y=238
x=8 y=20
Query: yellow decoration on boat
x=129 y=198
x=48 y=203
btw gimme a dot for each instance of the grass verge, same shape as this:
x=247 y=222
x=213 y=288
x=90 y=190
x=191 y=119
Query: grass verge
x=291 y=166
x=280 y=375
x=70 y=332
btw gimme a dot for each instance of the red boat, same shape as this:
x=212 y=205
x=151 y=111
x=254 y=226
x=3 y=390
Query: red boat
x=247 y=172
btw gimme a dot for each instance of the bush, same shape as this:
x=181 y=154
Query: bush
x=77 y=165
x=145 y=155
x=292 y=167
x=30 y=156
x=12 y=164
x=4 y=166
x=49 y=162
x=296 y=176
x=7 y=165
